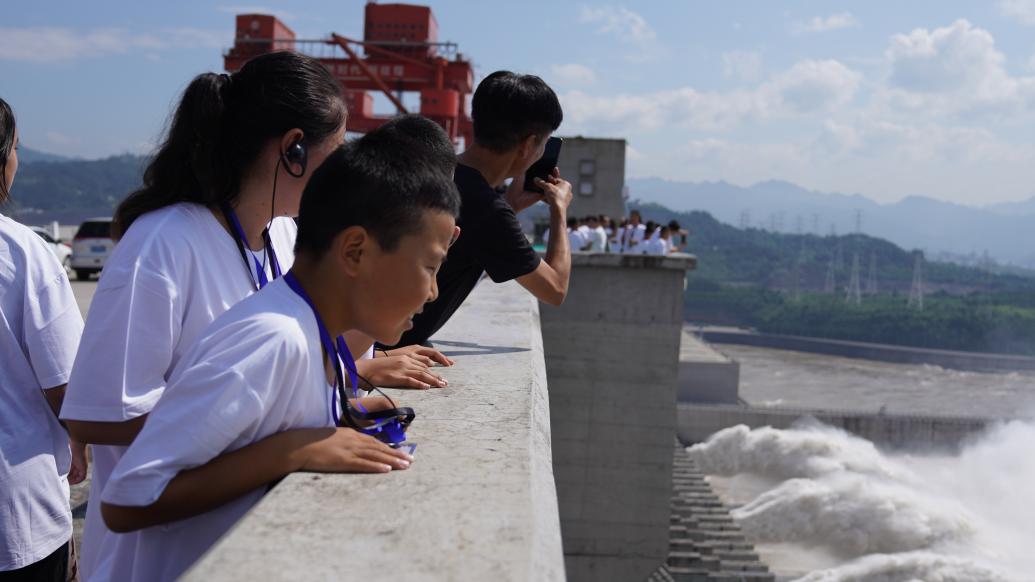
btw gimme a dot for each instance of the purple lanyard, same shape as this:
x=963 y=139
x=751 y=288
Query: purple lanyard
x=242 y=244
x=337 y=351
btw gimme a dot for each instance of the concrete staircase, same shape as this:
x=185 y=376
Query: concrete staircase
x=705 y=545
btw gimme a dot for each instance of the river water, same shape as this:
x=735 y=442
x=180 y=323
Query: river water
x=784 y=378
x=822 y=505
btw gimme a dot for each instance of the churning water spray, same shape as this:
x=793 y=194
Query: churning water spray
x=829 y=506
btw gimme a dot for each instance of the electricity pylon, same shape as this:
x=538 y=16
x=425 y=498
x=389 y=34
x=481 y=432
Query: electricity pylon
x=854 y=293
x=916 y=294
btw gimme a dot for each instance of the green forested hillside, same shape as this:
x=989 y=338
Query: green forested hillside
x=69 y=191
x=747 y=278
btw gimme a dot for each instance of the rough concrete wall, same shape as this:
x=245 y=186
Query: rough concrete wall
x=897 y=431
x=709 y=382
x=608 y=180
x=612 y=359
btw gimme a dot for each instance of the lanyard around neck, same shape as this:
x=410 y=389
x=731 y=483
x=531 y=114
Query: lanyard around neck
x=337 y=351
x=389 y=426
x=242 y=243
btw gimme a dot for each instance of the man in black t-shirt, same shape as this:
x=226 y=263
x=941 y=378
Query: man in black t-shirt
x=513 y=117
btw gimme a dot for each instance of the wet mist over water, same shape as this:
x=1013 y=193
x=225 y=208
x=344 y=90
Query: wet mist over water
x=828 y=506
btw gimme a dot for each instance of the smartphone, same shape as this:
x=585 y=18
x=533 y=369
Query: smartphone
x=544 y=165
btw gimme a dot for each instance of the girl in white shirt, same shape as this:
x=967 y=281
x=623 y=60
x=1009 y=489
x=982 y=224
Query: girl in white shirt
x=210 y=226
x=40 y=327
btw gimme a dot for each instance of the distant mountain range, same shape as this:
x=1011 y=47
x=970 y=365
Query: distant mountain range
x=942 y=229
x=28 y=155
x=50 y=187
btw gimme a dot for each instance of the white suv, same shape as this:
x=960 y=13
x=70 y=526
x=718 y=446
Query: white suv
x=61 y=250
x=91 y=247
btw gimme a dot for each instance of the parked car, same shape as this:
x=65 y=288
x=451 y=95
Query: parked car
x=61 y=250
x=91 y=247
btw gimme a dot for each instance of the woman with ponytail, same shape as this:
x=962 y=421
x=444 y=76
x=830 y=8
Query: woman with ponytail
x=40 y=327
x=210 y=226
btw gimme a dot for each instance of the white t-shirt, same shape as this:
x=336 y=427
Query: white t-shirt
x=256 y=371
x=40 y=327
x=170 y=276
x=632 y=238
x=575 y=240
x=656 y=246
x=597 y=239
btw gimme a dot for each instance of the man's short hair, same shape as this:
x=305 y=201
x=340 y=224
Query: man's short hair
x=507 y=108
x=382 y=182
x=427 y=134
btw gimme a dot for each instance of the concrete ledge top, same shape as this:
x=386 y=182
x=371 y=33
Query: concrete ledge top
x=694 y=349
x=479 y=502
x=678 y=261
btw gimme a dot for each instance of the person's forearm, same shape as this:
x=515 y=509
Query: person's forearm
x=558 y=251
x=55 y=397
x=106 y=433
x=221 y=480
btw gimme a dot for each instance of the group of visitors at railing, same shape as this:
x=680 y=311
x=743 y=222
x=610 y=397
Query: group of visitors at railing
x=217 y=355
x=600 y=234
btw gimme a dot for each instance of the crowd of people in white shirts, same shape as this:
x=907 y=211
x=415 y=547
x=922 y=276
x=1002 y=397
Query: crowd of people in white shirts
x=600 y=234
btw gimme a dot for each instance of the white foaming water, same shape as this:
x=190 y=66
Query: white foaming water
x=817 y=499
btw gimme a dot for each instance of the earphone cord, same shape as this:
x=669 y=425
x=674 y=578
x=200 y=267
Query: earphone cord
x=273 y=205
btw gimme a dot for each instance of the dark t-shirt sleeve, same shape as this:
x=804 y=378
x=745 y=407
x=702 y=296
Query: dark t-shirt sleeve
x=499 y=244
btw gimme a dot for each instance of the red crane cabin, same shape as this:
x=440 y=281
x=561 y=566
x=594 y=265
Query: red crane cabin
x=400 y=54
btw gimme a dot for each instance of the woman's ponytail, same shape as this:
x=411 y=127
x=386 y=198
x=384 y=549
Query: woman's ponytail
x=221 y=125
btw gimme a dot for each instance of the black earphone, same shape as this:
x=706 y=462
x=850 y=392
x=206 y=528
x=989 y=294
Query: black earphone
x=295 y=154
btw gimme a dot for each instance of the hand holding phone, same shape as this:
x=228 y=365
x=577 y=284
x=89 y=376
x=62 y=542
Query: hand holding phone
x=544 y=166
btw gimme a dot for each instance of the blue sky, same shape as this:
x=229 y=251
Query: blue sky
x=887 y=99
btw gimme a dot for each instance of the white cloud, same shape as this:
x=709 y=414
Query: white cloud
x=826 y=24
x=572 y=75
x=806 y=88
x=627 y=26
x=812 y=86
x=55 y=44
x=952 y=70
x=61 y=139
x=742 y=65
x=1022 y=10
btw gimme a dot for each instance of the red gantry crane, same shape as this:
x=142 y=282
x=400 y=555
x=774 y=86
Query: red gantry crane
x=400 y=54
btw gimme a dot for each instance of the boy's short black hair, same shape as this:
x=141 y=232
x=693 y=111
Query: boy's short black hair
x=425 y=133
x=507 y=108
x=382 y=182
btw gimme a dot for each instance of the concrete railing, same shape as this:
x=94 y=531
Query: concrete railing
x=479 y=502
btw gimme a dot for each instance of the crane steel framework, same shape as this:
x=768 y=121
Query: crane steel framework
x=401 y=54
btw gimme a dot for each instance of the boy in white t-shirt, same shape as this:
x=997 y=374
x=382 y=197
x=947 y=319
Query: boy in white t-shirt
x=375 y=225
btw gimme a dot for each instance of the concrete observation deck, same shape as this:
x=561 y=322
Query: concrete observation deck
x=479 y=502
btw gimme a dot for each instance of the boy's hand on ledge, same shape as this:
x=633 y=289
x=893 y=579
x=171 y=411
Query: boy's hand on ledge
x=406 y=371
x=343 y=450
x=429 y=356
